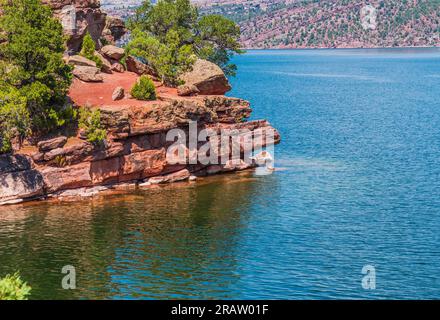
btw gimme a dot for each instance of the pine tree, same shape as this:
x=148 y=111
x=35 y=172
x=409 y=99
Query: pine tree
x=88 y=50
x=31 y=59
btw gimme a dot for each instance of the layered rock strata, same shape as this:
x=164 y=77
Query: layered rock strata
x=135 y=150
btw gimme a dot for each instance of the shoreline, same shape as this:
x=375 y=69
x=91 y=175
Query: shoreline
x=340 y=48
x=124 y=188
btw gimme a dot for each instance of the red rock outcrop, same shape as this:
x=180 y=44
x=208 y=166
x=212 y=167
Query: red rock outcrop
x=135 y=150
x=114 y=29
x=140 y=147
x=81 y=16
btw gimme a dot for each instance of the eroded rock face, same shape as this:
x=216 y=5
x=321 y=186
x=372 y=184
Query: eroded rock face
x=208 y=78
x=114 y=29
x=10 y=163
x=135 y=151
x=18 y=180
x=71 y=177
x=78 y=17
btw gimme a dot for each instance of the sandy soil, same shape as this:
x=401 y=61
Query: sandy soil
x=100 y=94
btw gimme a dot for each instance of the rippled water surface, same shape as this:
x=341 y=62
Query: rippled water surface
x=359 y=184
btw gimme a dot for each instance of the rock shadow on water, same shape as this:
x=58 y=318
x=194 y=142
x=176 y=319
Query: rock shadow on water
x=167 y=242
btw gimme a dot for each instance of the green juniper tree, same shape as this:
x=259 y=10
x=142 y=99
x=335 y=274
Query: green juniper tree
x=88 y=50
x=170 y=35
x=144 y=89
x=31 y=67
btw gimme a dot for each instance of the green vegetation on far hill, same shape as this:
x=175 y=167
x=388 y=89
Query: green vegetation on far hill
x=331 y=23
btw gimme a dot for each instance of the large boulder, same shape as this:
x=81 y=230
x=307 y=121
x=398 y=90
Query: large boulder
x=207 y=77
x=78 y=60
x=113 y=52
x=87 y=74
x=79 y=17
x=134 y=65
x=47 y=145
x=117 y=67
x=118 y=94
x=106 y=65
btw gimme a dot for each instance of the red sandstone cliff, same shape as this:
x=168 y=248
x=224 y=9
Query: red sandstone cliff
x=136 y=147
x=80 y=16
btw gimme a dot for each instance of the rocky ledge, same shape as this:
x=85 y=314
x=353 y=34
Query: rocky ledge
x=136 y=151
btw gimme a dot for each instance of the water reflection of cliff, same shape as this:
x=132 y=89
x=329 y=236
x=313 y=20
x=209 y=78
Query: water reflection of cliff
x=168 y=242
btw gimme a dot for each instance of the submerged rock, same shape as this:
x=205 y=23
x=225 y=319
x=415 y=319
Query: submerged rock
x=172 y=177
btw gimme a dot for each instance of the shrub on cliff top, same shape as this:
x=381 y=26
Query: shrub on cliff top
x=90 y=121
x=170 y=34
x=32 y=59
x=13 y=288
x=144 y=89
x=88 y=50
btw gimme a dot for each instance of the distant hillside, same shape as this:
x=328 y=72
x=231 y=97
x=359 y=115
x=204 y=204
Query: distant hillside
x=331 y=23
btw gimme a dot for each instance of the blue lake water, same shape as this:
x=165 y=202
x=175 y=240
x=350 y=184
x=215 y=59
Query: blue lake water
x=359 y=184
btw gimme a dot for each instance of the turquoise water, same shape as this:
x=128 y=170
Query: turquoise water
x=359 y=184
